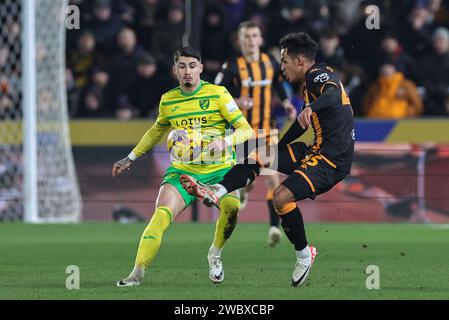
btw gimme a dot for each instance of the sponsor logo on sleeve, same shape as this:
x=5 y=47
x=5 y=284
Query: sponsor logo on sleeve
x=231 y=106
x=323 y=77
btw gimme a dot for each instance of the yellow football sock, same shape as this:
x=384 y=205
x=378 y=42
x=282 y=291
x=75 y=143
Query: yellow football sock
x=152 y=236
x=226 y=222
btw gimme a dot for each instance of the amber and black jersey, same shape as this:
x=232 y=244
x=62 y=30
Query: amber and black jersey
x=255 y=80
x=333 y=125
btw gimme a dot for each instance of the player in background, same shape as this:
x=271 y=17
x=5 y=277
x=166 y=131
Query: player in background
x=312 y=170
x=201 y=106
x=251 y=78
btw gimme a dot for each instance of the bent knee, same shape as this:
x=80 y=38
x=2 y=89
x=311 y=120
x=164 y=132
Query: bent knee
x=283 y=200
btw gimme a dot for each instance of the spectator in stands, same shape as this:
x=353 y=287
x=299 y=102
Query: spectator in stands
x=81 y=61
x=147 y=12
x=13 y=32
x=345 y=13
x=263 y=12
x=352 y=76
x=416 y=32
x=212 y=49
x=5 y=62
x=93 y=102
x=398 y=11
x=123 y=67
x=392 y=96
x=10 y=84
x=293 y=16
x=435 y=74
x=159 y=25
x=143 y=94
x=440 y=12
x=6 y=107
x=72 y=35
x=330 y=50
x=360 y=43
x=392 y=49
x=319 y=16
x=126 y=11
x=105 y=26
x=167 y=36
x=233 y=13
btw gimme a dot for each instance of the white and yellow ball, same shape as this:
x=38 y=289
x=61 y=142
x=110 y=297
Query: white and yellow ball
x=184 y=145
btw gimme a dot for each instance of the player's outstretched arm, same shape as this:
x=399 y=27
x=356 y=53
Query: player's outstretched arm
x=148 y=141
x=121 y=165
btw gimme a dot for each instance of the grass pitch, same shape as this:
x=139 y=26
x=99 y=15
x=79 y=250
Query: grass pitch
x=413 y=262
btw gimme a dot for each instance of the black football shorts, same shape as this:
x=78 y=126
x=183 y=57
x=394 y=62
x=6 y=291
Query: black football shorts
x=310 y=174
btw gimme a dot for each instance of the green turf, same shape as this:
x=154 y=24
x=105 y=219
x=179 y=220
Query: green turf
x=413 y=262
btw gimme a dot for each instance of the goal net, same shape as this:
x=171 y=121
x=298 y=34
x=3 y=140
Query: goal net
x=37 y=175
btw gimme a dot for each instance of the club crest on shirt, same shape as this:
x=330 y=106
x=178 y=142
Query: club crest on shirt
x=204 y=104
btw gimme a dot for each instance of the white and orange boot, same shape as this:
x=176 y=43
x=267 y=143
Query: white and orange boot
x=302 y=268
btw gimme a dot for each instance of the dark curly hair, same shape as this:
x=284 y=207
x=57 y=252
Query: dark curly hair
x=299 y=43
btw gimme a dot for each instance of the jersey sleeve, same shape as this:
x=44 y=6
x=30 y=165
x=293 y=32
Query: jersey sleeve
x=228 y=78
x=228 y=107
x=231 y=112
x=161 y=119
x=152 y=136
x=319 y=77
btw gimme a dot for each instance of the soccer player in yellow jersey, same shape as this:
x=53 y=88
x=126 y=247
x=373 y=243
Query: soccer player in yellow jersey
x=198 y=105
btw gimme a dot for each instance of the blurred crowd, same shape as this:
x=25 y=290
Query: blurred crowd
x=119 y=62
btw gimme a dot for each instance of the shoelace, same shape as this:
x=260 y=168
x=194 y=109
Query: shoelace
x=217 y=261
x=305 y=266
x=135 y=278
x=130 y=279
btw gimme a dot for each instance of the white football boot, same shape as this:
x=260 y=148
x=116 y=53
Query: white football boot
x=216 y=272
x=302 y=268
x=134 y=279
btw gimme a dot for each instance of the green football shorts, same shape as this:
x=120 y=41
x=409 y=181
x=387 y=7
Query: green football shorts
x=172 y=176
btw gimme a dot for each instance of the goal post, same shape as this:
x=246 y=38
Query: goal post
x=30 y=195
x=38 y=183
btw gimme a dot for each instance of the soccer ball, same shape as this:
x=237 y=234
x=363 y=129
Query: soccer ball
x=184 y=145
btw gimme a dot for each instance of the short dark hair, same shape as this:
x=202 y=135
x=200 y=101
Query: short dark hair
x=248 y=24
x=187 y=52
x=299 y=43
x=146 y=59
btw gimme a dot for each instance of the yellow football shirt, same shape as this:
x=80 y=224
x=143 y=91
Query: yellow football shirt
x=211 y=109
